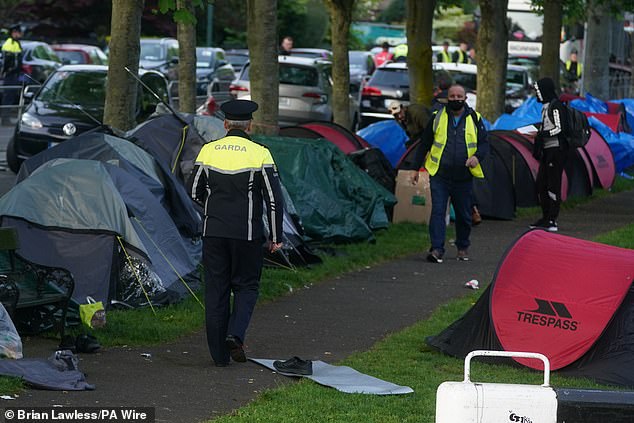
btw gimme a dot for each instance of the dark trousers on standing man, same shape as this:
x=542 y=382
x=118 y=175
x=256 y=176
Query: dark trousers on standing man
x=460 y=193
x=231 y=265
x=548 y=182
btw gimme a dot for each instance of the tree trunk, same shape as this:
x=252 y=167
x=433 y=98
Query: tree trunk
x=263 y=71
x=186 y=34
x=492 y=56
x=121 y=92
x=420 y=16
x=632 y=64
x=597 y=51
x=551 y=39
x=340 y=20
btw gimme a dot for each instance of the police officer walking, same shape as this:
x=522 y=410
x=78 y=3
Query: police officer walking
x=232 y=178
x=11 y=68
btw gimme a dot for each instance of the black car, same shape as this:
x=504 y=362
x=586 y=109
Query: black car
x=388 y=83
x=213 y=71
x=69 y=103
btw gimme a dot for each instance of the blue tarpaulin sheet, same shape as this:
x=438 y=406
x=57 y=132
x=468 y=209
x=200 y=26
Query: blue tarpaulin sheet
x=387 y=136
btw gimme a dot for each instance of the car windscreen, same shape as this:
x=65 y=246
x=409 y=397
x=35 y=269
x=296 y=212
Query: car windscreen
x=237 y=59
x=204 y=58
x=468 y=80
x=72 y=57
x=386 y=77
x=357 y=60
x=515 y=78
x=86 y=89
x=292 y=75
x=152 y=51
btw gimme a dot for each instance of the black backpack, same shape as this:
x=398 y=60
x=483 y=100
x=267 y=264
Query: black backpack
x=578 y=132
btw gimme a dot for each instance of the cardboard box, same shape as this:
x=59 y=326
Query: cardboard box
x=414 y=201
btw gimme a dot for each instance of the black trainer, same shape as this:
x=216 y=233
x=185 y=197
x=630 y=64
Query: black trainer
x=541 y=223
x=434 y=256
x=235 y=349
x=552 y=226
x=295 y=366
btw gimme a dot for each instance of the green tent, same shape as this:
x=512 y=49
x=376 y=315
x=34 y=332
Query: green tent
x=335 y=200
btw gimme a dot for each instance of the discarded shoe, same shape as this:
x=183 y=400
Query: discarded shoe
x=295 y=366
x=87 y=344
x=236 y=351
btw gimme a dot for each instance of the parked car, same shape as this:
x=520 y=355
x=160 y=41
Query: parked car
x=80 y=54
x=160 y=54
x=389 y=82
x=305 y=90
x=38 y=61
x=518 y=82
x=312 y=53
x=213 y=72
x=237 y=58
x=69 y=103
x=361 y=66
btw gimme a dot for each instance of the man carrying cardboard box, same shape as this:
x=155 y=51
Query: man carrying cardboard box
x=456 y=141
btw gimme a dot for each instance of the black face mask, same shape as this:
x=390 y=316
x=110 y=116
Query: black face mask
x=455 y=105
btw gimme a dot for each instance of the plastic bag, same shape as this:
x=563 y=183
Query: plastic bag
x=10 y=342
x=92 y=314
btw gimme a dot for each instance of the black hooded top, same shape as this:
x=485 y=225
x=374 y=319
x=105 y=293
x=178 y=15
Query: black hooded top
x=554 y=115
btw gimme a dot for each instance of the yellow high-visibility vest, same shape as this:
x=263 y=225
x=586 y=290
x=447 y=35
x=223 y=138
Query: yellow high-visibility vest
x=432 y=163
x=446 y=58
x=11 y=46
x=579 y=67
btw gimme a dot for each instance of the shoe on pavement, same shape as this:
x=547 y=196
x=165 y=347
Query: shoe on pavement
x=541 y=224
x=434 y=256
x=235 y=349
x=552 y=226
x=295 y=366
x=549 y=225
x=463 y=255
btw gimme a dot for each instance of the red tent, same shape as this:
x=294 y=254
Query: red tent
x=569 y=299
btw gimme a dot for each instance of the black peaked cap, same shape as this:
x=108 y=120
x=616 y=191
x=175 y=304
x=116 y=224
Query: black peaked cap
x=239 y=109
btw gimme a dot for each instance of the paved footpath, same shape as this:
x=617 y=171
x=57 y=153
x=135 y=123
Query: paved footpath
x=328 y=321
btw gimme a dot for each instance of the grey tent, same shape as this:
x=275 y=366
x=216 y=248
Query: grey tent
x=102 y=224
x=137 y=162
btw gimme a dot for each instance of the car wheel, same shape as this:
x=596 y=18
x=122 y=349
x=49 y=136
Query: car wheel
x=12 y=157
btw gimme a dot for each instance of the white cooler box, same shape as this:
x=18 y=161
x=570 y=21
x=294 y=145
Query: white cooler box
x=469 y=402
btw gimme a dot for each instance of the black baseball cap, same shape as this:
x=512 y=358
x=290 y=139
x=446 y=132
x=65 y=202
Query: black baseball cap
x=239 y=109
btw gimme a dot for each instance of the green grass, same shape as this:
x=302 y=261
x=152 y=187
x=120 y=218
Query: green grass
x=142 y=327
x=402 y=358
x=10 y=385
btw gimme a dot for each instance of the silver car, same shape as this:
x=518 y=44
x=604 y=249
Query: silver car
x=305 y=92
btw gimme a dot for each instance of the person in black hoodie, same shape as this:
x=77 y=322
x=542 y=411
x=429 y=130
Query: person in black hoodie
x=550 y=149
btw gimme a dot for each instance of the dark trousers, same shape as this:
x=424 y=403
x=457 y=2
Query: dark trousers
x=548 y=182
x=460 y=193
x=10 y=96
x=231 y=265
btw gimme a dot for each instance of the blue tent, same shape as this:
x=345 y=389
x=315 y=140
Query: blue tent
x=621 y=144
x=387 y=136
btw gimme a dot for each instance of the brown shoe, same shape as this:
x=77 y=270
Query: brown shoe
x=236 y=351
x=476 y=219
x=463 y=255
